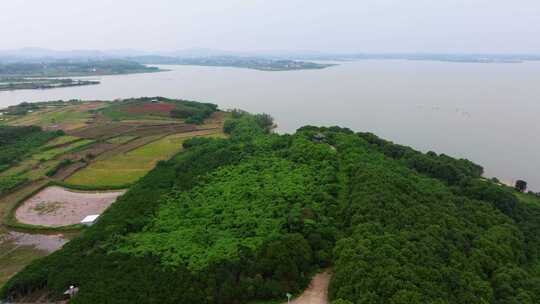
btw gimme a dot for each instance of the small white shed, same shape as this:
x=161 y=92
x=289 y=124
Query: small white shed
x=72 y=291
x=89 y=220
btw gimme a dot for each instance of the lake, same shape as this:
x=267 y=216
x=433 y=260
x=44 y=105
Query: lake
x=488 y=113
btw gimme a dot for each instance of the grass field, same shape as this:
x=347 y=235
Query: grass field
x=62 y=140
x=128 y=167
x=121 y=139
x=69 y=116
x=49 y=154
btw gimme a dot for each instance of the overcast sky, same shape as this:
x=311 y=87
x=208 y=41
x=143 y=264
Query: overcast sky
x=497 y=26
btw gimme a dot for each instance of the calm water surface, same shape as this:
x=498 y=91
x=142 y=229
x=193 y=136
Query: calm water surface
x=489 y=113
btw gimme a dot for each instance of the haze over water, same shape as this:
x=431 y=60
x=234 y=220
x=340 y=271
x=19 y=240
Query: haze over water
x=488 y=113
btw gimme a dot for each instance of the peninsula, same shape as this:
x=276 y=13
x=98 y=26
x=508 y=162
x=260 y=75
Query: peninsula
x=219 y=209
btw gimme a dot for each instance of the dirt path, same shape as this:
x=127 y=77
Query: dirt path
x=317 y=292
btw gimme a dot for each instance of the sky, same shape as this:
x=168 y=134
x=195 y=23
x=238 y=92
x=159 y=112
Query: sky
x=437 y=26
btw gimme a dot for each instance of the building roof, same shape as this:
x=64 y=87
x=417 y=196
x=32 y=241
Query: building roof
x=319 y=136
x=90 y=218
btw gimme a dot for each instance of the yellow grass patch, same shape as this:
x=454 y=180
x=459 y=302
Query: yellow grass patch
x=127 y=168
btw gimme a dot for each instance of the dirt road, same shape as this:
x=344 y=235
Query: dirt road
x=317 y=292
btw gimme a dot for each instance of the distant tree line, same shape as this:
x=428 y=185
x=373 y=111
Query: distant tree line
x=73 y=68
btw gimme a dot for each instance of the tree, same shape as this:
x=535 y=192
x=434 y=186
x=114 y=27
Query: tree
x=521 y=185
x=265 y=121
x=237 y=113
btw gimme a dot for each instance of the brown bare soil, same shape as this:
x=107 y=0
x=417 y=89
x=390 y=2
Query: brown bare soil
x=67 y=126
x=161 y=129
x=70 y=206
x=102 y=130
x=95 y=149
x=317 y=292
x=106 y=130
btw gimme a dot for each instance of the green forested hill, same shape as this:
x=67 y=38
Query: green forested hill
x=252 y=217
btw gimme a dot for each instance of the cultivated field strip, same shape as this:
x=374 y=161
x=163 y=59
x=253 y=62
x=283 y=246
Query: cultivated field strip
x=113 y=129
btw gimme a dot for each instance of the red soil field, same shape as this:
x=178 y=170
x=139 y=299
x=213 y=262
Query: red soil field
x=160 y=108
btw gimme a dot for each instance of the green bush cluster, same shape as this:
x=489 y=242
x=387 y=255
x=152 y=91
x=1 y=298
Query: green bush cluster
x=193 y=112
x=249 y=125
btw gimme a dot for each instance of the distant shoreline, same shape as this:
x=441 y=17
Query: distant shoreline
x=82 y=74
x=253 y=63
x=14 y=82
x=42 y=83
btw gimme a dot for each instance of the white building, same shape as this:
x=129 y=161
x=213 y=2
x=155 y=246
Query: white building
x=89 y=220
